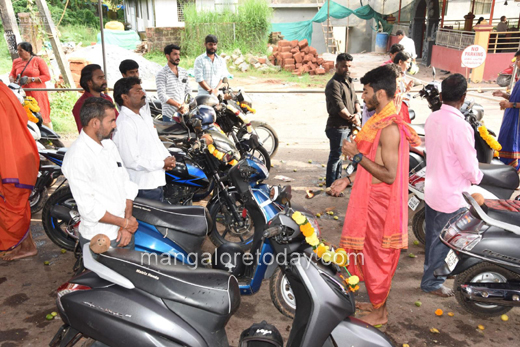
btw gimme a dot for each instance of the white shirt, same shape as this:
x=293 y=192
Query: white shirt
x=210 y=71
x=140 y=148
x=99 y=183
x=409 y=46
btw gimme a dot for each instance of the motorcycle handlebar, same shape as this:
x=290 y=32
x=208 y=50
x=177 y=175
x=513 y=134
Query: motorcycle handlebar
x=271 y=232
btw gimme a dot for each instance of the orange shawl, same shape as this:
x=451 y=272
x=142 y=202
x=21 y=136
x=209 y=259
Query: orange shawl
x=396 y=222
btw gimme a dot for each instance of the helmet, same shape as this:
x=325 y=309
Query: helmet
x=206 y=115
x=229 y=257
x=208 y=100
x=261 y=335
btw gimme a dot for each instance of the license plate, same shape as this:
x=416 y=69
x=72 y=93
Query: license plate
x=451 y=260
x=413 y=202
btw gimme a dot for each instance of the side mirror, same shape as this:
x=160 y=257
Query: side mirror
x=187 y=98
x=225 y=80
x=434 y=73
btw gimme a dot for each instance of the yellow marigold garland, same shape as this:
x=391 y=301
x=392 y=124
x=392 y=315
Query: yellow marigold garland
x=338 y=256
x=220 y=155
x=31 y=105
x=490 y=140
x=252 y=110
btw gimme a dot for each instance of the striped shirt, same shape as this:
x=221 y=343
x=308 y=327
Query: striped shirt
x=169 y=86
x=209 y=71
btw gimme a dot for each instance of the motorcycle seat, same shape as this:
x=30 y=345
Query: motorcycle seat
x=419 y=129
x=170 y=128
x=193 y=220
x=502 y=176
x=507 y=211
x=211 y=290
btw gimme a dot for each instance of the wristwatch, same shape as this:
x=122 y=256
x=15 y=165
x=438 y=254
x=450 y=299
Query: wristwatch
x=357 y=158
x=33 y=79
x=514 y=104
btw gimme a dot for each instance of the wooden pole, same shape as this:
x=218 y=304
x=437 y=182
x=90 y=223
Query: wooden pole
x=399 y=15
x=100 y=10
x=491 y=14
x=443 y=10
x=11 y=33
x=48 y=23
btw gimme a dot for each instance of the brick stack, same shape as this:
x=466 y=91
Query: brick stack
x=76 y=65
x=299 y=57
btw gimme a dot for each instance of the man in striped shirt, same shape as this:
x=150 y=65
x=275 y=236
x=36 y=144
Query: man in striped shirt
x=172 y=84
x=209 y=68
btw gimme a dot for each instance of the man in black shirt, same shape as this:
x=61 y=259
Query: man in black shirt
x=344 y=109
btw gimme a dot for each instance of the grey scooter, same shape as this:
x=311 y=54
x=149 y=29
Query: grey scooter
x=132 y=299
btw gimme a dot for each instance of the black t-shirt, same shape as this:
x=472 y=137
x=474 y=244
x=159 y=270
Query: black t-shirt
x=339 y=94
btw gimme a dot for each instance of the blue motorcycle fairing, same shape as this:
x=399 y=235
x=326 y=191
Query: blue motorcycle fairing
x=261 y=196
x=261 y=171
x=149 y=239
x=265 y=258
x=196 y=177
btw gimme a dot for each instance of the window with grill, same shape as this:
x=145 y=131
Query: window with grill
x=482 y=6
x=180 y=8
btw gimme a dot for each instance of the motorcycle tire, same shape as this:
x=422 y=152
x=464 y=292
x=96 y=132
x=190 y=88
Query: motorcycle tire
x=270 y=139
x=52 y=225
x=221 y=224
x=504 y=80
x=419 y=225
x=51 y=144
x=281 y=294
x=488 y=273
x=261 y=153
x=37 y=200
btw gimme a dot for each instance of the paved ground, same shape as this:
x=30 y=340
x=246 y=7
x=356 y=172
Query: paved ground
x=27 y=287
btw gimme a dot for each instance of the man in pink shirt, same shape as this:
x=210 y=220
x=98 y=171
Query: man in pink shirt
x=452 y=168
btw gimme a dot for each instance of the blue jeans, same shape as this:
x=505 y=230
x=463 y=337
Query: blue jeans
x=335 y=164
x=436 y=251
x=152 y=194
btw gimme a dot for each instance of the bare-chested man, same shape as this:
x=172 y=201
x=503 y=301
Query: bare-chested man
x=376 y=224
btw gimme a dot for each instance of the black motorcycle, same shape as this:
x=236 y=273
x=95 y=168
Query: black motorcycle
x=484 y=256
x=130 y=298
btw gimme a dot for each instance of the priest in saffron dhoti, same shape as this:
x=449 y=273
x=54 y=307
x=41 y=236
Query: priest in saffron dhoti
x=376 y=223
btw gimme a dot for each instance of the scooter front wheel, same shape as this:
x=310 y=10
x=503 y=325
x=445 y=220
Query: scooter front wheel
x=483 y=273
x=419 y=225
x=281 y=294
x=57 y=229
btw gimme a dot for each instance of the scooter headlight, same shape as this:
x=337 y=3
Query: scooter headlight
x=314 y=222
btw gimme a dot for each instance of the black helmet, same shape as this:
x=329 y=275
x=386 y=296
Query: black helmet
x=229 y=257
x=261 y=335
x=206 y=114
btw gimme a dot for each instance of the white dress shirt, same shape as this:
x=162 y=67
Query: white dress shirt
x=210 y=71
x=409 y=46
x=141 y=149
x=99 y=183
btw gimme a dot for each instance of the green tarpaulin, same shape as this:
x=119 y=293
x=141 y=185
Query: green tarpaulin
x=126 y=39
x=303 y=30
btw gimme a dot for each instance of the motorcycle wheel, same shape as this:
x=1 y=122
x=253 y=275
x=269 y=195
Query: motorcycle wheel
x=281 y=294
x=261 y=154
x=504 y=80
x=419 y=225
x=268 y=137
x=223 y=231
x=483 y=273
x=37 y=200
x=51 y=144
x=54 y=227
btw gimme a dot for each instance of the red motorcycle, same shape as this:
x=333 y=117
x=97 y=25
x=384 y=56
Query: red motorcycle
x=504 y=77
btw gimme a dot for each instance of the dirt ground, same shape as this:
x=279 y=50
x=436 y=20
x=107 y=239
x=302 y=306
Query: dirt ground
x=28 y=287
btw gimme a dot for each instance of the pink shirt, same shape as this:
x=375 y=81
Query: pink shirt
x=389 y=61
x=451 y=159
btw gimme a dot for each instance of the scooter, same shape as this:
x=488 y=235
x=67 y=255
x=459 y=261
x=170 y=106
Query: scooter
x=483 y=256
x=130 y=299
x=504 y=77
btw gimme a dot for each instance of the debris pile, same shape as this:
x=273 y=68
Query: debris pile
x=299 y=57
x=237 y=61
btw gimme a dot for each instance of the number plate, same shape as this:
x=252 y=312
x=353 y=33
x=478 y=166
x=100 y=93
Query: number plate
x=413 y=203
x=451 y=260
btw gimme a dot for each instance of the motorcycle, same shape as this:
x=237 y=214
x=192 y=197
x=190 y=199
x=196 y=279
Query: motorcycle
x=47 y=176
x=45 y=136
x=473 y=114
x=504 y=77
x=483 y=255
x=130 y=299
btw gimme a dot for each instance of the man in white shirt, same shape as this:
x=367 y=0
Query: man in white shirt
x=172 y=84
x=98 y=180
x=143 y=153
x=408 y=44
x=209 y=68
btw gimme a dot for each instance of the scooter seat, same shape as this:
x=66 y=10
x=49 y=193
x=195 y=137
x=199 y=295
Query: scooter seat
x=185 y=225
x=207 y=289
x=507 y=211
x=501 y=176
x=170 y=128
x=419 y=129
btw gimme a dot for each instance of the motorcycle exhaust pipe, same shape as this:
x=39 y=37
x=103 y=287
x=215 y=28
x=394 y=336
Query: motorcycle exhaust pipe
x=503 y=294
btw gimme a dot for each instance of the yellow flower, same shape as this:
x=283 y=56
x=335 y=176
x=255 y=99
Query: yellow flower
x=353 y=280
x=299 y=218
x=307 y=229
x=490 y=140
x=313 y=240
x=211 y=148
x=340 y=258
x=320 y=250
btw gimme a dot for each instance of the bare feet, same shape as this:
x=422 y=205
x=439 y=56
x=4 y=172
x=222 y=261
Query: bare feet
x=443 y=292
x=364 y=306
x=377 y=316
x=24 y=250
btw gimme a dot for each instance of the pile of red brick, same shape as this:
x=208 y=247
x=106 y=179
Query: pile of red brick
x=299 y=57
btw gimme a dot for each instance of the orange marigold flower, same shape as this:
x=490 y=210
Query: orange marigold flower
x=438 y=312
x=307 y=229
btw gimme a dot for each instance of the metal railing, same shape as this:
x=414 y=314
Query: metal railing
x=504 y=42
x=454 y=38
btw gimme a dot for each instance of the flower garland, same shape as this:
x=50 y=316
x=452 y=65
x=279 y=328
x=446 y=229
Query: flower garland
x=220 y=155
x=31 y=105
x=328 y=254
x=490 y=140
x=246 y=106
